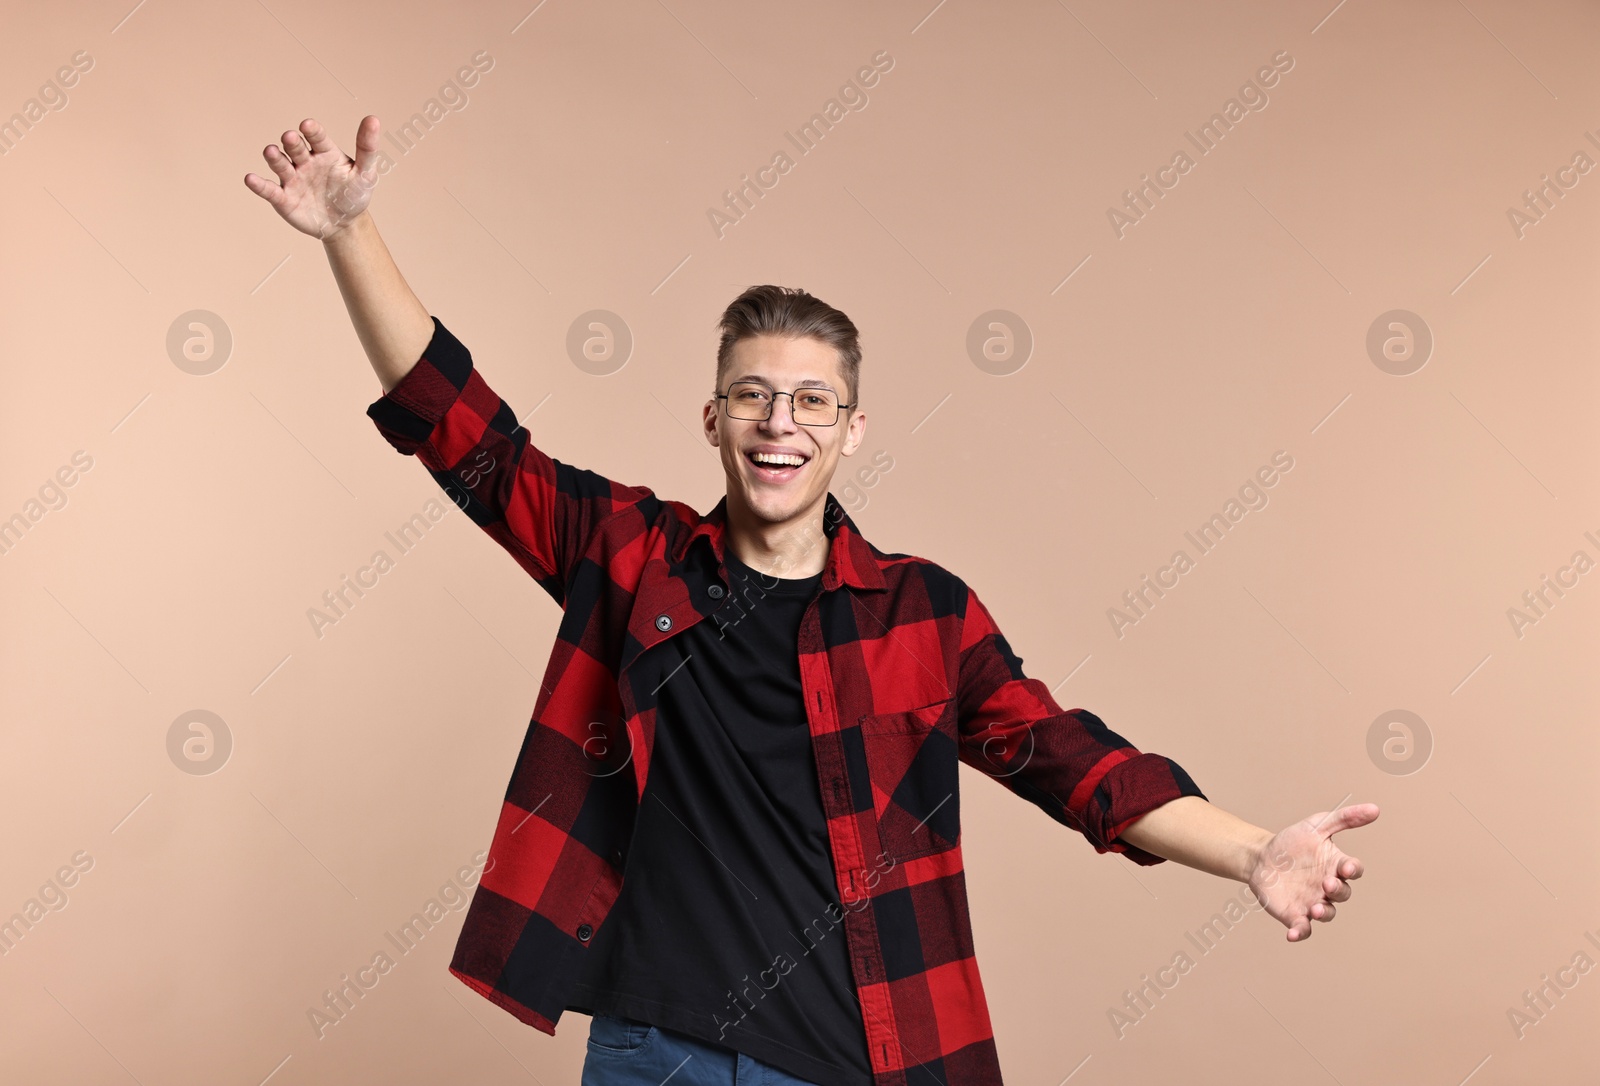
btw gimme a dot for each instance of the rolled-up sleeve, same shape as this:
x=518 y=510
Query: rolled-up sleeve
x=542 y=511
x=1066 y=762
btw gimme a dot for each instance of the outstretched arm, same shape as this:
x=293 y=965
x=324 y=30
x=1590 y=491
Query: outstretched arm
x=1297 y=874
x=1143 y=805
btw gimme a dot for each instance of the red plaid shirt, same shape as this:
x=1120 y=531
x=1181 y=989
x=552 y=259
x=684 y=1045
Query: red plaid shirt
x=905 y=676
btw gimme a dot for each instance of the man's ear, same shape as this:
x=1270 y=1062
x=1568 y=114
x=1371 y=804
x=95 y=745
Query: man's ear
x=857 y=432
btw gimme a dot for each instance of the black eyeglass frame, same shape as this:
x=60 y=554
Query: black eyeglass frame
x=838 y=407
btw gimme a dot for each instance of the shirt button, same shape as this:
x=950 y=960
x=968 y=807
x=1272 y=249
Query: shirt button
x=715 y=591
x=584 y=931
x=663 y=622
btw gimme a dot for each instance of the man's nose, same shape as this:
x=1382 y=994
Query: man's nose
x=781 y=418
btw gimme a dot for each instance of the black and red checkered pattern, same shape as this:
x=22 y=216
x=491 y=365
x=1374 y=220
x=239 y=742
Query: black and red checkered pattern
x=905 y=676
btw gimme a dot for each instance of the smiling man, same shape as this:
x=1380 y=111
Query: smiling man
x=732 y=835
x=786 y=362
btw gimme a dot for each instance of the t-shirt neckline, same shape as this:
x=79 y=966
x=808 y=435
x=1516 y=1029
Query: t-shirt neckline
x=765 y=581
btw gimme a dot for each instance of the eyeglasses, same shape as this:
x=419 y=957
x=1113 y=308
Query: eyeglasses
x=752 y=401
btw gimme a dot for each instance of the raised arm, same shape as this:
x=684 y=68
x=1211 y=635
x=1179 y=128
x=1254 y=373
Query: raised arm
x=435 y=405
x=323 y=192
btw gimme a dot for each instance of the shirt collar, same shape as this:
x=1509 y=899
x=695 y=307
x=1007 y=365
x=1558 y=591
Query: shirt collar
x=850 y=557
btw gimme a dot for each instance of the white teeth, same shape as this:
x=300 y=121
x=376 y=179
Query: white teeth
x=778 y=458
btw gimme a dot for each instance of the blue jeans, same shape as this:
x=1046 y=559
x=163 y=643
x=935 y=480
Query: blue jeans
x=623 y=1052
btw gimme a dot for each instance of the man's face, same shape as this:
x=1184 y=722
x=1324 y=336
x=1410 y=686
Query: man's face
x=775 y=494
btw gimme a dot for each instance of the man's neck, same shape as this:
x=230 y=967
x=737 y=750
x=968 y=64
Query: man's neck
x=794 y=548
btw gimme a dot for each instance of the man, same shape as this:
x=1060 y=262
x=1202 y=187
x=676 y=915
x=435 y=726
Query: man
x=732 y=834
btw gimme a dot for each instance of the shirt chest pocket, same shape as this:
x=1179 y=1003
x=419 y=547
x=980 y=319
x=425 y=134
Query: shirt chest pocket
x=913 y=762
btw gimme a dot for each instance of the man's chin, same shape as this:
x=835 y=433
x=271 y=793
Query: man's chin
x=775 y=508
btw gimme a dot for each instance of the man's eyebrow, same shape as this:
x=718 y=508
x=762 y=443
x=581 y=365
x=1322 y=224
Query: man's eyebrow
x=810 y=382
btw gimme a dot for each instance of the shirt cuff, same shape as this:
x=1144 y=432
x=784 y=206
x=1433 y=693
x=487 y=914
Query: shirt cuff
x=409 y=412
x=1133 y=789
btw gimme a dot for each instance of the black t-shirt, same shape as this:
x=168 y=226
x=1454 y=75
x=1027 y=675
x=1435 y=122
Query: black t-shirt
x=729 y=926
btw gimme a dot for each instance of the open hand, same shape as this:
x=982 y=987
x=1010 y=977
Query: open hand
x=320 y=189
x=1301 y=872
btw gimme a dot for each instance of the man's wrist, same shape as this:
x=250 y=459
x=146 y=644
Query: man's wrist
x=1255 y=852
x=348 y=231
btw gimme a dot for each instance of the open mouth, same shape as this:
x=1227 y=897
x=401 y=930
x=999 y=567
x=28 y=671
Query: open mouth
x=769 y=472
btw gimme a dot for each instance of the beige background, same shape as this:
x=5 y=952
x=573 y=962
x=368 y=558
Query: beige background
x=367 y=765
